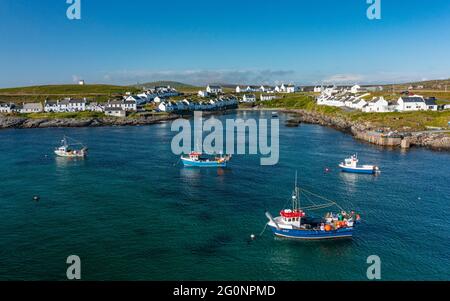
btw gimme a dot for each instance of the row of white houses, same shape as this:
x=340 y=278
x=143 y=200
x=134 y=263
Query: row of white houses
x=149 y=95
x=188 y=105
x=284 y=88
x=379 y=104
x=250 y=98
x=68 y=105
x=333 y=89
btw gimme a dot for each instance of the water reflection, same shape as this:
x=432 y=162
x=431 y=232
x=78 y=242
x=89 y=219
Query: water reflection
x=63 y=162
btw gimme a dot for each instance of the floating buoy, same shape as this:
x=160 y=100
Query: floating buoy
x=327 y=169
x=252 y=236
x=36 y=198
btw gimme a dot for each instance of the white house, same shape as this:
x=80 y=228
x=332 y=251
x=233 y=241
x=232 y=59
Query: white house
x=6 y=107
x=265 y=97
x=249 y=98
x=267 y=89
x=116 y=112
x=290 y=88
x=72 y=105
x=318 y=89
x=355 y=89
x=377 y=105
x=431 y=104
x=138 y=100
x=167 y=106
x=287 y=88
x=81 y=82
x=126 y=105
x=252 y=89
x=159 y=99
x=213 y=89
x=359 y=104
x=203 y=93
x=239 y=90
x=411 y=103
x=51 y=106
x=32 y=108
x=447 y=107
x=95 y=107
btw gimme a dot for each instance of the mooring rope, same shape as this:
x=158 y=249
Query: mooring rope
x=264 y=229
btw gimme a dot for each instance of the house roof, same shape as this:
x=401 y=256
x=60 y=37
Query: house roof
x=32 y=106
x=214 y=87
x=430 y=102
x=113 y=109
x=413 y=99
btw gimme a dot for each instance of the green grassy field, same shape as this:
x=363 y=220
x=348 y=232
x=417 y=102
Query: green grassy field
x=98 y=93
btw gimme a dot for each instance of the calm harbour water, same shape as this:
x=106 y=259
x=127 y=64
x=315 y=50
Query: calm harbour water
x=130 y=213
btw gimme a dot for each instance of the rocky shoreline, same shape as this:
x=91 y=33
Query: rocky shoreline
x=28 y=123
x=371 y=134
x=362 y=131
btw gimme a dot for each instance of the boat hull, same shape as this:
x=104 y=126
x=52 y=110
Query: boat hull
x=313 y=234
x=67 y=155
x=358 y=170
x=195 y=163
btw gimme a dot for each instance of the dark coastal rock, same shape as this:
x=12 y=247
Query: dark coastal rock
x=11 y=122
x=26 y=123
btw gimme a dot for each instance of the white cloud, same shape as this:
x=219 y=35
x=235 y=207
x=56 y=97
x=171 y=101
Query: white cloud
x=203 y=77
x=344 y=78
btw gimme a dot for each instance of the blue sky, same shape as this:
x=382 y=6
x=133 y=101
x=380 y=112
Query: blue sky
x=196 y=41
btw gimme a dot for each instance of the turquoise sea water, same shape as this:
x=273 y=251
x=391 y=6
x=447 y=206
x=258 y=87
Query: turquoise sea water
x=131 y=214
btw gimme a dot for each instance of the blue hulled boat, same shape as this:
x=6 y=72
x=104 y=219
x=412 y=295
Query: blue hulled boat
x=197 y=159
x=294 y=223
x=351 y=165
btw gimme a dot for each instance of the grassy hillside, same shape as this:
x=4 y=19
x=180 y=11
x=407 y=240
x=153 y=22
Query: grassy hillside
x=67 y=89
x=439 y=84
x=40 y=93
x=182 y=87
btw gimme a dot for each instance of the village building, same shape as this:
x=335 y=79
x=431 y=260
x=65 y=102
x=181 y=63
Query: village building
x=116 y=112
x=32 y=107
x=72 y=105
x=431 y=104
x=377 y=105
x=266 y=97
x=6 y=107
x=411 y=103
x=214 y=89
x=249 y=98
x=126 y=105
x=203 y=93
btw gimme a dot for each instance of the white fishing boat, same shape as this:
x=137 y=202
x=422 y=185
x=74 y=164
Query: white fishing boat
x=351 y=165
x=65 y=149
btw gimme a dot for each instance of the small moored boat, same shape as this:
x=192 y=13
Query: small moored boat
x=200 y=160
x=294 y=223
x=351 y=165
x=66 y=151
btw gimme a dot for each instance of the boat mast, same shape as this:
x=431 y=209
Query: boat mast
x=295 y=196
